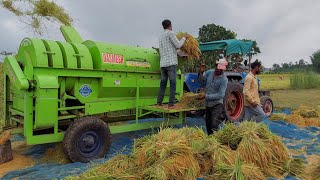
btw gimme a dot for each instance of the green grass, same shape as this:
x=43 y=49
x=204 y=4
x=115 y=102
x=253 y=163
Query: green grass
x=1 y=97
x=289 y=81
x=305 y=81
x=294 y=98
x=274 y=81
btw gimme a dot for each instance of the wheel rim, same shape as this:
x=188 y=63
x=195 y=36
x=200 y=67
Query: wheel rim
x=234 y=105
x=89 y=144
x=267 y=107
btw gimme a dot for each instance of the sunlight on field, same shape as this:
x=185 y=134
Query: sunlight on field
x=294 y=98
x=274 y=81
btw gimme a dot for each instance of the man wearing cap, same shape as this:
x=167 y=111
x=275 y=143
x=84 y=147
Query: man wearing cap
x=216 y=85
x=252 y=105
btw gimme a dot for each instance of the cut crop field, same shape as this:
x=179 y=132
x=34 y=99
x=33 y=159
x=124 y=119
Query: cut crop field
x=289 y=81
x=294 y=98
x=274 y=81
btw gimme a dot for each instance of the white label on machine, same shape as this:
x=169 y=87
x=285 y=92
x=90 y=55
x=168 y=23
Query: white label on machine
x=117 y=82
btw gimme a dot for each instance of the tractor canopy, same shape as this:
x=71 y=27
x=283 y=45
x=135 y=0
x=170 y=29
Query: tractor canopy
x=230 y=46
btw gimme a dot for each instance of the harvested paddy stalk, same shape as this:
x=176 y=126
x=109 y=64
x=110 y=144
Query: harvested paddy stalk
x=167 y=155
x=278 y=116
x=295 y=167
x=229 y=135
x=119 y=167
x=296 y=119
x=307 y=112
x=252 y=149
x=56 y=155
x=189 y=100
x=191 y=46
x=238 y=170
x=188 y=153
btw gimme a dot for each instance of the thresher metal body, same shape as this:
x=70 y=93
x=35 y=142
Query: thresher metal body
x=50 y=83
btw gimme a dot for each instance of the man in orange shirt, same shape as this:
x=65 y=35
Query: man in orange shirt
x=252 y=105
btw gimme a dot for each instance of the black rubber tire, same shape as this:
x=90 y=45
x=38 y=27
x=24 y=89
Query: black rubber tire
x=266 y=101
x=88 y=125
x=234 y=89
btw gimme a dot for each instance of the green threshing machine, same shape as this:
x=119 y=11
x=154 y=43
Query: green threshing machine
x=58 y=91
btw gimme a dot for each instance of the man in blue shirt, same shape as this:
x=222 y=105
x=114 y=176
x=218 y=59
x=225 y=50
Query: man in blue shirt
x=216 y=85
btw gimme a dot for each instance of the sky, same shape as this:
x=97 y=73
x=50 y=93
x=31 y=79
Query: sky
x=286 y=30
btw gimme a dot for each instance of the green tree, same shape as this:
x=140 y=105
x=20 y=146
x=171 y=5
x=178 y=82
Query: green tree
x=213 y=32
x=315 y=59
x=256 y=49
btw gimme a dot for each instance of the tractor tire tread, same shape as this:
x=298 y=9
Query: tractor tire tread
x=74 y=130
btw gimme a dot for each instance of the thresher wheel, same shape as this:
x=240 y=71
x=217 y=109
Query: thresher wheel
x=233 y=101
x=87 y=139
x=267 y=104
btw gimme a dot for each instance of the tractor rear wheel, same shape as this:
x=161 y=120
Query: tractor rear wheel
x=267 y=104
x=233 y=101
x=87 y=139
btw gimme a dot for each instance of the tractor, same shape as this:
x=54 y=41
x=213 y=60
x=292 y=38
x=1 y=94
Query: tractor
x=233 y=100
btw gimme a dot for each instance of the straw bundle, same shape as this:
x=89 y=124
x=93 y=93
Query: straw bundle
x=229 y=135
x=253 y=150
x=191 y=46
x=175 y=167
x=8 y=4
x=260 y=129
x=295 y=167
x=278 y=116
x=119 y=167
x=316 y=172
x=278 y=149
x=36 y=11
x=55 y=154
x=45 y=8
x=238 y=170
x=189 y=100
x=188 y=153
x=312 y=122
x=296 y=119
x=167 y=155
x=307 y=112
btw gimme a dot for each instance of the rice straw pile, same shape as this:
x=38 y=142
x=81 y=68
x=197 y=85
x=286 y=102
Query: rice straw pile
x=304 y=116
x=252 y=152
x=190 y=47
x=55 y=155
x=189 y=100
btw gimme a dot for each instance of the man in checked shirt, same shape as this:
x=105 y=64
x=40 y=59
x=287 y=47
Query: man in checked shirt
x=168 y=45
x=252 y=105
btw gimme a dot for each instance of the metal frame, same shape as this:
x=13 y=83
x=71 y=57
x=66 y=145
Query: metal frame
x=27 y=116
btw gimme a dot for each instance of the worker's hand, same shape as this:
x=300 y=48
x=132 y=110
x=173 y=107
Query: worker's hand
x=202 y=68
x=187 y=36
x=254 y=104
x=201 y=96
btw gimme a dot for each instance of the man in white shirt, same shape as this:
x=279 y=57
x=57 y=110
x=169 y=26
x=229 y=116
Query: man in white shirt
x=168 y=45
